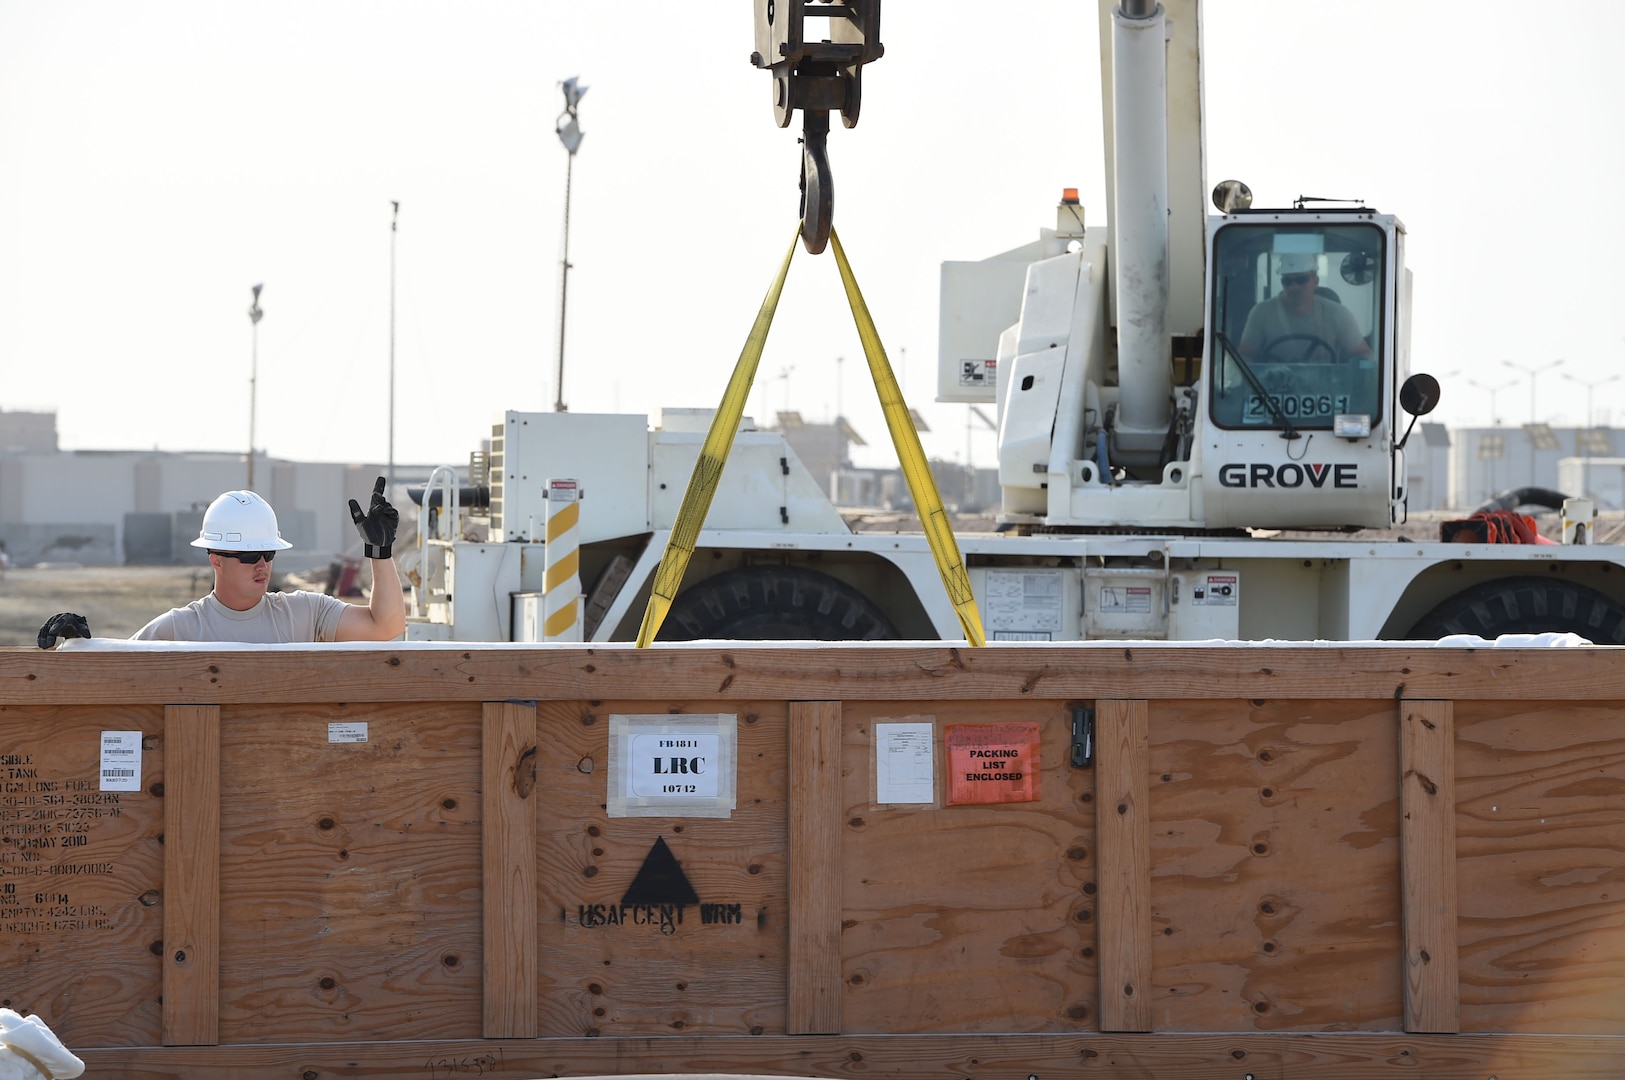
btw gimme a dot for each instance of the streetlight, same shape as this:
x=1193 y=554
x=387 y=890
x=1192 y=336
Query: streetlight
x=974 y=413
x=1589 y=441
x=839 y=361
x=254 y=317
x=570 y=134
x=1495 y=421
x=1591 y=386
x=1533 y=415
x=394 y=216
x=1531 y=372
x=784 y=374
x=1491 y=441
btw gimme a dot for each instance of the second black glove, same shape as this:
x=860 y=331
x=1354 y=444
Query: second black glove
x=64 y=624
x=377 y=525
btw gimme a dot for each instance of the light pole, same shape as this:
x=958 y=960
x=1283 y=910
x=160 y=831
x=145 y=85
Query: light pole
x=254 y=317
x=1591 y=387
x=1531 y=372
x=784 y=373
x=974 y=413
x=840 y=362
x=1495 y=421
x=1589 y=439
x=1533 y=416
x=570 y=134
x=394 y=216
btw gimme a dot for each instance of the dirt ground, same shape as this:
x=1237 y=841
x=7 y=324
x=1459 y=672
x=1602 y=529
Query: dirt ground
x=116 y=600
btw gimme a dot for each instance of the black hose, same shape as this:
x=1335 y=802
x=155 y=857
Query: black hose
x=1513 y=498
x=467 y=497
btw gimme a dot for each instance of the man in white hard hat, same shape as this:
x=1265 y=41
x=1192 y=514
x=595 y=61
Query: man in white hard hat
x=241 y=536
x=1297 y=324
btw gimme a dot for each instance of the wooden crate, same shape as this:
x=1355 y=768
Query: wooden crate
x=1284 y=862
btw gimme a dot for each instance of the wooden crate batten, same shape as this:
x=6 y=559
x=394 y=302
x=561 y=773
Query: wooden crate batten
x=178 y=676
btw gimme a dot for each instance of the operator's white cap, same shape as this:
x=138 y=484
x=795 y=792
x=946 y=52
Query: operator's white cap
x=1300 y=263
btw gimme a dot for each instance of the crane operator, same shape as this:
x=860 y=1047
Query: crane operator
x=1300 y=324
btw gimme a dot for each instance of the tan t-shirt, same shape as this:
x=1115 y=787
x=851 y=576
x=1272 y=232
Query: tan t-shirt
x=279 y=618
x=1330 y=322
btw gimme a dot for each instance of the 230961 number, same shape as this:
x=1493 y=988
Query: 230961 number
x=1296 y=406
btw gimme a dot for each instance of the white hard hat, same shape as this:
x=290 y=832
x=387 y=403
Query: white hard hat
x=240 y=521
x=1300 y=263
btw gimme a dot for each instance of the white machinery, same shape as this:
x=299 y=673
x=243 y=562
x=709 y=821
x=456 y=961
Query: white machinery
x=1167 y=386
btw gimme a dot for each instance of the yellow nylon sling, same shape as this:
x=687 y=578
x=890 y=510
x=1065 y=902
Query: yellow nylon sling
x=702 y=485
x=922 y=486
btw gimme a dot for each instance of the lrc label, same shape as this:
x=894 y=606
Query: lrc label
x=672 y=765
x=675 y=764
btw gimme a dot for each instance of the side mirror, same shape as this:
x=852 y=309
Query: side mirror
x=1419 y=396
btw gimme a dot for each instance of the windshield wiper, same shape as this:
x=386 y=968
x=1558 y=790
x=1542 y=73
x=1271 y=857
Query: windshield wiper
x=1287 y=430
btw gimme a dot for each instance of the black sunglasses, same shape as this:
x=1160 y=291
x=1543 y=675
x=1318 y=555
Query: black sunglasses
x=247 y=558
x=1290 y=280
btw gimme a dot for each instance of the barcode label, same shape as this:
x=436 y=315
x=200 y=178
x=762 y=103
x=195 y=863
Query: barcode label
x=121 y=761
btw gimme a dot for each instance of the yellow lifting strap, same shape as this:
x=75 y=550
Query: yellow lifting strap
x=922 y=486
x=702 y=485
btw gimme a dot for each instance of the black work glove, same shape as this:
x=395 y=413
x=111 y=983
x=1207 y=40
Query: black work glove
x=64 y=624
x=377 y=525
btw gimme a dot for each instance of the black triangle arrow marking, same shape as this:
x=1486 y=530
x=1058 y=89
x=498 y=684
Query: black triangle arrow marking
x=660 y=880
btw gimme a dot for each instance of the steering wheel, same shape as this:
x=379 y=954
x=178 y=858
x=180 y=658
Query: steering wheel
x=1279 y=379
x=1314 y=342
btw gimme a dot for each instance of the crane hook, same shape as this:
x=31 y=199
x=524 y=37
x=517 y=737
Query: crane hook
x=819 y=70
x=817 y=184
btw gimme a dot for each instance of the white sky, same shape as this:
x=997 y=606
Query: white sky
x=159 y=158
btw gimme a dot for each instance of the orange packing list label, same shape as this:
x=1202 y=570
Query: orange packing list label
x=992 y=763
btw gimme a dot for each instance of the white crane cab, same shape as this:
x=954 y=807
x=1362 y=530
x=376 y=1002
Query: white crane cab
x=1305 y=352
x=1290 y=420
x=1180 y=372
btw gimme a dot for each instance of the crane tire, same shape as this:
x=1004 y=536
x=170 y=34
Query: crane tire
x=1526 y=605
x=775 y=603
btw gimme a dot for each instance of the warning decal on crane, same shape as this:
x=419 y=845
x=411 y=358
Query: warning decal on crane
x=1025 y=604
x=977 y=373
x=1133 y=600
x=1216 y=590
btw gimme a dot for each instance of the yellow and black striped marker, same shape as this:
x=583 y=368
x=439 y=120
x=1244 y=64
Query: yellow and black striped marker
x=561 y=563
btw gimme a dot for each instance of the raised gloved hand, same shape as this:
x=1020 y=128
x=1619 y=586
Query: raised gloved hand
x=64 y=624
x=377 y=525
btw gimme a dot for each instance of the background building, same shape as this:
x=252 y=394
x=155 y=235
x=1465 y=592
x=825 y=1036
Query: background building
x=1485 y=461
x=27 y=432
x=114 y=507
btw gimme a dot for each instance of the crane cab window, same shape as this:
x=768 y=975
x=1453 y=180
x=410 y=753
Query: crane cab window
x=1297 y=324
